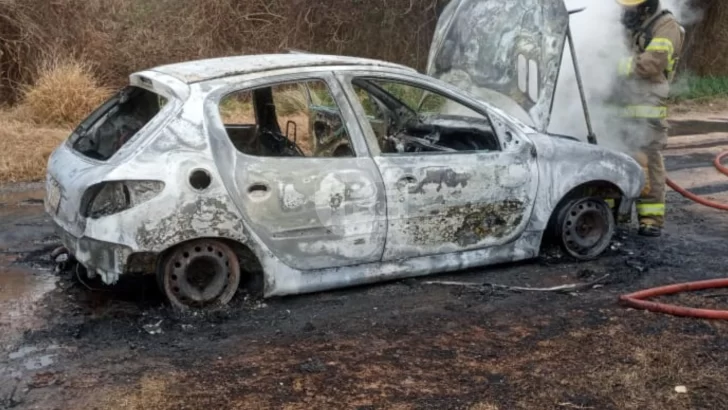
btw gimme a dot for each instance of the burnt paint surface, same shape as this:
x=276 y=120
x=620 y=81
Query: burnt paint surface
x=192 y=220
x=468 y=224
x=477 y=45
x=225 y=67
x=448 y=177
x=311 y=212
x=455 y=202
x=566 y=164
x=320 y=213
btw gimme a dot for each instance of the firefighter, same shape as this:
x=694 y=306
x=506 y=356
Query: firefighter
x=655 y=40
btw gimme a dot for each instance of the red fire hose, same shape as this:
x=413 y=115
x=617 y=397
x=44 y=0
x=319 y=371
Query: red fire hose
x=636 y=300
x=703 y=201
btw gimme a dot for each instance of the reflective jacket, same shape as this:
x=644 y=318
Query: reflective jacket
x=649 y=70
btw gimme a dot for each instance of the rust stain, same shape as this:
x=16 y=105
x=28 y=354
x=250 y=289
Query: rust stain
x=468 y=224
x=447 y=176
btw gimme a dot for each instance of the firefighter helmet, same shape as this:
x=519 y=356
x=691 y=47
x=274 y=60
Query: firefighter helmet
x=637 y=11
x=650 y=4
x=630 y=3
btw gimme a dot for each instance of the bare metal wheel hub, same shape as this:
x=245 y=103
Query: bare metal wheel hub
x=586 y=227
x=200 y=274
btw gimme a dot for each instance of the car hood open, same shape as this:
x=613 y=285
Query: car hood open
x=507 y=53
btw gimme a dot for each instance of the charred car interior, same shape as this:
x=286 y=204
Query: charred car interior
x=409 y=119
x=303 y=120
x=286 y=120
x=115 y=122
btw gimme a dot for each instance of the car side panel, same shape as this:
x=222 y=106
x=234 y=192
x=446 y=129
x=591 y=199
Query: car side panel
x=457 y=202
x=311 y=213
x=565 y=165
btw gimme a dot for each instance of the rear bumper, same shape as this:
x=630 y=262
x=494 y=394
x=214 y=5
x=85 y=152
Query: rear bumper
x=108 y=260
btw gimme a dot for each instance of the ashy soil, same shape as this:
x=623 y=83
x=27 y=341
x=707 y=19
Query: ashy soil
x=399 y=345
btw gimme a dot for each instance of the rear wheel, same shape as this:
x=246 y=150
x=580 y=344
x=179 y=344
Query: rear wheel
x=202 y=274
x=585 y=227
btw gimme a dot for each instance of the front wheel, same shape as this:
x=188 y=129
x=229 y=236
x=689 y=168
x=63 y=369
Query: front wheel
x=202 y=274
x=585 y=227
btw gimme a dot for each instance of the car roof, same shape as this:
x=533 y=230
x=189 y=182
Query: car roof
x=215 y=68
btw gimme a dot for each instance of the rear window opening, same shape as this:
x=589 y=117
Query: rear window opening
x=115 y=122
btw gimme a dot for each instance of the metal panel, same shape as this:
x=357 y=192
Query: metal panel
x=312 y=213
x=456 y=202
x=450 y=202
x=478 y=44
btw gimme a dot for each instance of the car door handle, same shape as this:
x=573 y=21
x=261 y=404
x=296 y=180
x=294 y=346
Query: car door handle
x=408 y=180
x=257 y=189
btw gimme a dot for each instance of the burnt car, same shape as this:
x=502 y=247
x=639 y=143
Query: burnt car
x=295 y=173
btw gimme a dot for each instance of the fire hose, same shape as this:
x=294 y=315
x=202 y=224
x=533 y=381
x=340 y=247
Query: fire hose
x=637 y=299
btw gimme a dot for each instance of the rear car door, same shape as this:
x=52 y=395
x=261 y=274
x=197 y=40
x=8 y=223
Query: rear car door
x=301 y=174
x=451 y=183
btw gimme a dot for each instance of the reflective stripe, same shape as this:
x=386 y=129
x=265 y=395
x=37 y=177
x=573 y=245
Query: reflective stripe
x=670 y=66
x=630 y=3
x=663 y=45
x=610 y=202
x=651 y=209
x=644 y=111
x=625 y=66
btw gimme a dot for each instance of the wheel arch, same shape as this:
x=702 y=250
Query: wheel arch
x=253 y=275
x=599 y=188
x=595 y=188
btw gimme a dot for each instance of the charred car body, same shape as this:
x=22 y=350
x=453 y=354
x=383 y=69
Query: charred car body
x=303 y=172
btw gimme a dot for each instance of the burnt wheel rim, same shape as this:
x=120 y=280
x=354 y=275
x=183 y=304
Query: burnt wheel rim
x=201 y=274
x=587 y=228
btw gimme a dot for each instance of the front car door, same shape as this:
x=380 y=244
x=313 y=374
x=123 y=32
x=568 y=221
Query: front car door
x=311 y=193
x=451 y=183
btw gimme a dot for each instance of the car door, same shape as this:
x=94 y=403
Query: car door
x=313 y=208
x=476 y=194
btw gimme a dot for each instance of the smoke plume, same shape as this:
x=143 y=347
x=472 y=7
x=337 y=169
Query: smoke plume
x=598 y=37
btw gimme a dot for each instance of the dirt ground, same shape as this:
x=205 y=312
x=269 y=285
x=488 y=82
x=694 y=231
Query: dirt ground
x=399 y=345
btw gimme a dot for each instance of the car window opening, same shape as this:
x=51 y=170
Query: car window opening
x=115 y=122
x=408 y=119
x=298 y=119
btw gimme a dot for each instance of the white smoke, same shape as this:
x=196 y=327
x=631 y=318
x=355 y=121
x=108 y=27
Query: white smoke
x=684 y=10
x=598 y=37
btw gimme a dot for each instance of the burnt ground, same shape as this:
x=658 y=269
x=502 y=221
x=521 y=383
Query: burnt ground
x=399 y=345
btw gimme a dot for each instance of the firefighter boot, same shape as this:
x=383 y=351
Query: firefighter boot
x=651 y=204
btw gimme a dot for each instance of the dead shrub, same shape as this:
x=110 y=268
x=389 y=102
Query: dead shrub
x=65 y=92
x=122 y=36
x=22 y=43
x=290 y=102
x=25 y=147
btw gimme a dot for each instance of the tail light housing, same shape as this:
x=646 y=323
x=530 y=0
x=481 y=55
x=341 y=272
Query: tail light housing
x=111 y=197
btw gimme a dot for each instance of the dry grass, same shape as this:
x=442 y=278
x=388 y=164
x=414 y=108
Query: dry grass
x=26 y=147
x=290 y=102
x=64 y=94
